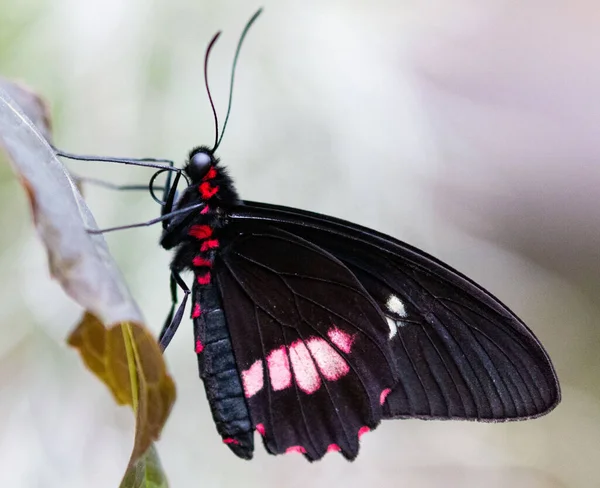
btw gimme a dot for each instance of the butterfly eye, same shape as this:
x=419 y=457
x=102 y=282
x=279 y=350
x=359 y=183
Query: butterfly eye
x=200 y=163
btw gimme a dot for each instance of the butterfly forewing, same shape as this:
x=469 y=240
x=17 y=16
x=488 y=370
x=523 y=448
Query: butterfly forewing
x=310 y=343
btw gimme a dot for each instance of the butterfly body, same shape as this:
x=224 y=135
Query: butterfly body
x=311 y=330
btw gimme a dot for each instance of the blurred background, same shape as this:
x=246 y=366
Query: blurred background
x=470 y=130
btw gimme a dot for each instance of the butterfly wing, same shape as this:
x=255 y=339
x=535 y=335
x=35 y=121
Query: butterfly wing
x=459 y=352
x=310 y=343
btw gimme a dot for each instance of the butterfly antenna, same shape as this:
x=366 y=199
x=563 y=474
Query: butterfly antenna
x=212 y=104
x=235 y=60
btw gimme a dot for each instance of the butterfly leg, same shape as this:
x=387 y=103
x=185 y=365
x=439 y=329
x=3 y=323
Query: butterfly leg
x=174 y=319
x=162 y=218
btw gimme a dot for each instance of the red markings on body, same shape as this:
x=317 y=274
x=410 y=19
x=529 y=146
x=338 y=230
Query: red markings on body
x=333 y=448
x=199 y=261
x=260 y=428
x=207 y=190
x=305 y=372
x=200 y=231
x=210 y=244
x=212 y=172
x=204 y=210
x=299 y=449
x=362 y=431
x=279 y=369
x=196 y=312
x=384 y=395
x=231 y=440
x=203 y=279
x=330 y=363
x=341 y=339
x=252 y=379
x=199 y=346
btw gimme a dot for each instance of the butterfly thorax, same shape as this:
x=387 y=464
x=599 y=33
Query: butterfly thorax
x=195 y=235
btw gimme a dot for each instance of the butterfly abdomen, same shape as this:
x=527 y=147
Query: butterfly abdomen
x=217 y=367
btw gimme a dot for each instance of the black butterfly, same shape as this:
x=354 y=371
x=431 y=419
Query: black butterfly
x=311 y=330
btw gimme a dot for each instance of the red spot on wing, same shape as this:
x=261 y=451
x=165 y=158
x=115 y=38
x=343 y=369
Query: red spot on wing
x=252 y=379
x=299 y=449
x=384 y=395
x=305 y=372
x=204 y=210
x=196 y=312
x=333 y=448
x=210 y=244
x=341 y=339
x=199 y=261
x=260 y=428
x=212 y=172
x=230 y=440
x=279 y=369
x=207 y=190
x=200 y=231
x=199 y=346
x=362 y=431
x=330 y=363
x=203 y=279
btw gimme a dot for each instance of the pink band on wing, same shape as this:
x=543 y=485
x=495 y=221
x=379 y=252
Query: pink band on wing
x=330 y=363
x=305 y=372
x=230 y=440
x=196 y=312
x=199 y=346
x=252 y=379
x=260 y=428
x=279 y=369
x=341 y=339
x=362 y=431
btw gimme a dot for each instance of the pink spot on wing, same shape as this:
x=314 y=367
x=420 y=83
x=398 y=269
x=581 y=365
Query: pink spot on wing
x=384 y=395
x=209 y=244
x=330 y=363
x=252 y=378
x=204 y=210
x=199 y=346
x=196 y=312
x=299 y=449
x=203 y=279
x=341 y=339
x=305 y=372
x=230 y=440
x=260 y=428
x=333 y=448
x=279 y=369
x=362 y=431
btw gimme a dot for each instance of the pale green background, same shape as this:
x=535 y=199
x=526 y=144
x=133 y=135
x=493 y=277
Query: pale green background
x=469 y=130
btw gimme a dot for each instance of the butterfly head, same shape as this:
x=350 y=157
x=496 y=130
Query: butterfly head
x=200 y=162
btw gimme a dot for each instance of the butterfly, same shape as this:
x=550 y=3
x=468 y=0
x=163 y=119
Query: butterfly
x=311 y=330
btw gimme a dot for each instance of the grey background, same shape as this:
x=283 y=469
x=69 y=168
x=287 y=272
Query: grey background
x=467 y=129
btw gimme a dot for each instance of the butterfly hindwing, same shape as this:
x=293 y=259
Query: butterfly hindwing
x=459 y=352
x=310 y=343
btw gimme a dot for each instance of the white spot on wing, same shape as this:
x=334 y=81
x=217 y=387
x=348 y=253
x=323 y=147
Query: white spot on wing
x=392 y=325
x=395 y=305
